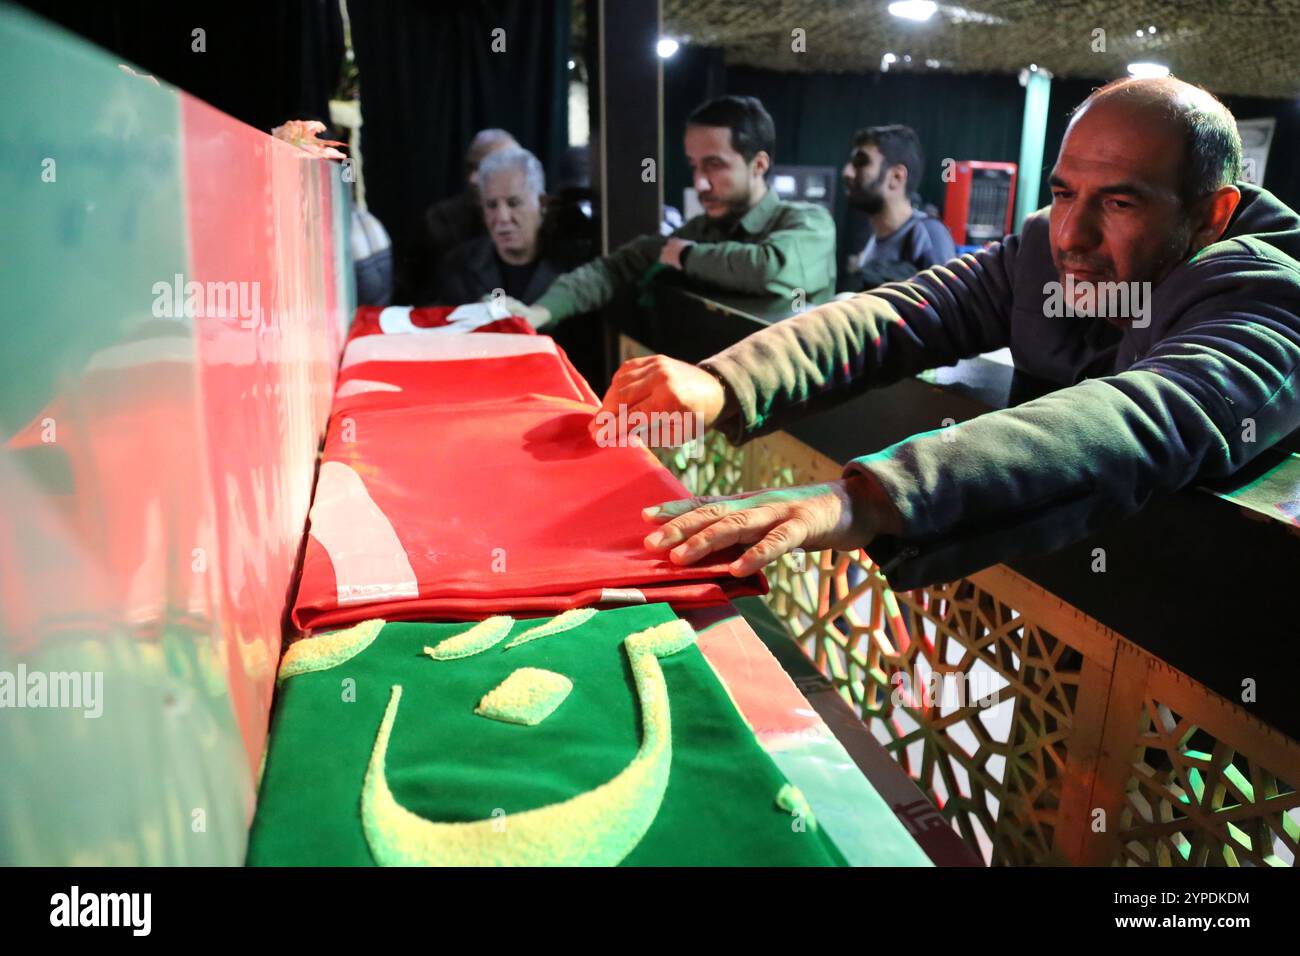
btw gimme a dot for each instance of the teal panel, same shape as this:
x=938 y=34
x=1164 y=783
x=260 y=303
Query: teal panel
x=1033 y=135
x=864 y=827
x=90 y=165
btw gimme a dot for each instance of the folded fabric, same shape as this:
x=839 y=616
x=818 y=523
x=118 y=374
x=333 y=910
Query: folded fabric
x=637 y=755
x=438 y=320
x=389 y=371
x=462 y=510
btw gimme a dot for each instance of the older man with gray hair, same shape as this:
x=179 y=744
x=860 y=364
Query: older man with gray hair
x=510 y=258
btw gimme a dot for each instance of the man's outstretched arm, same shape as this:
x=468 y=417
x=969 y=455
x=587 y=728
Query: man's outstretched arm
x=592 y=286
x=1206 y=400
x=841 y=349
x=1034 y=478
x=833 y=352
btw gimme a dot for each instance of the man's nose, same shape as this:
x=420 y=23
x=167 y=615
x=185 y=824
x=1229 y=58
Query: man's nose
x=847 y=173
x=1080 y=230
x=702 y=184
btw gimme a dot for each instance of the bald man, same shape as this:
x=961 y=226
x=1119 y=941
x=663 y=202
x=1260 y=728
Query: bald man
x=1157 y=292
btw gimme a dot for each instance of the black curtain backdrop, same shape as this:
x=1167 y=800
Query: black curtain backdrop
x=430 y=79
x=264 y=62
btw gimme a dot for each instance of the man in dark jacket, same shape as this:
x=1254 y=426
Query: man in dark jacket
x=1190 y=381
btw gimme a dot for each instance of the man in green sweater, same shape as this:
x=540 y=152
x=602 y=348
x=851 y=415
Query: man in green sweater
x=747 y=240
x=1190 y=383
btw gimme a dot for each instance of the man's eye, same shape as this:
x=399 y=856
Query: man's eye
x=1120 y=204
x=1061 y=194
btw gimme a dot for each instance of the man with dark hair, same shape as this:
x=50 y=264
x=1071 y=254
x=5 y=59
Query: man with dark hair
x=746 y=241
x=1187 y=381
x=881 y=176
x=751 y=126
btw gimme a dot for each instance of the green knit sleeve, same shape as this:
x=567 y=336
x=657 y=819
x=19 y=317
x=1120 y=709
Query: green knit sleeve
x=797 y=254
x=594 y=285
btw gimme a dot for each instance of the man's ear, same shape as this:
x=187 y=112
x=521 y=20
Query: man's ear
x=898 y=173
x=1213 y=215
x=761 y=163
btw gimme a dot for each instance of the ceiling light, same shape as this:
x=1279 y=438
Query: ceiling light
x=1151 y=29
x=920 y=10
x=666 y=47
x=1146 y=70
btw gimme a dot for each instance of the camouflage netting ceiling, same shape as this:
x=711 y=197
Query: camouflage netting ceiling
x=1229 y=46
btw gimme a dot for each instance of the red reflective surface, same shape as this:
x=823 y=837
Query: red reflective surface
x=156 y=459
x=259 y=215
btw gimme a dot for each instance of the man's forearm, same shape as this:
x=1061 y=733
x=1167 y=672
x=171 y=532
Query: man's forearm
x=840 y=349
x=586 y=289
x=742 y=267
x=594 y=285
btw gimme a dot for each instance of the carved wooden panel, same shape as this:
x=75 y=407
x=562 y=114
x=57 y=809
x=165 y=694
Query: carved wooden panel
x=1041 y=735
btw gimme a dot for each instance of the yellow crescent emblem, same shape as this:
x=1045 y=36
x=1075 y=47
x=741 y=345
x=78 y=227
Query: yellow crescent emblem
x=596 y=828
